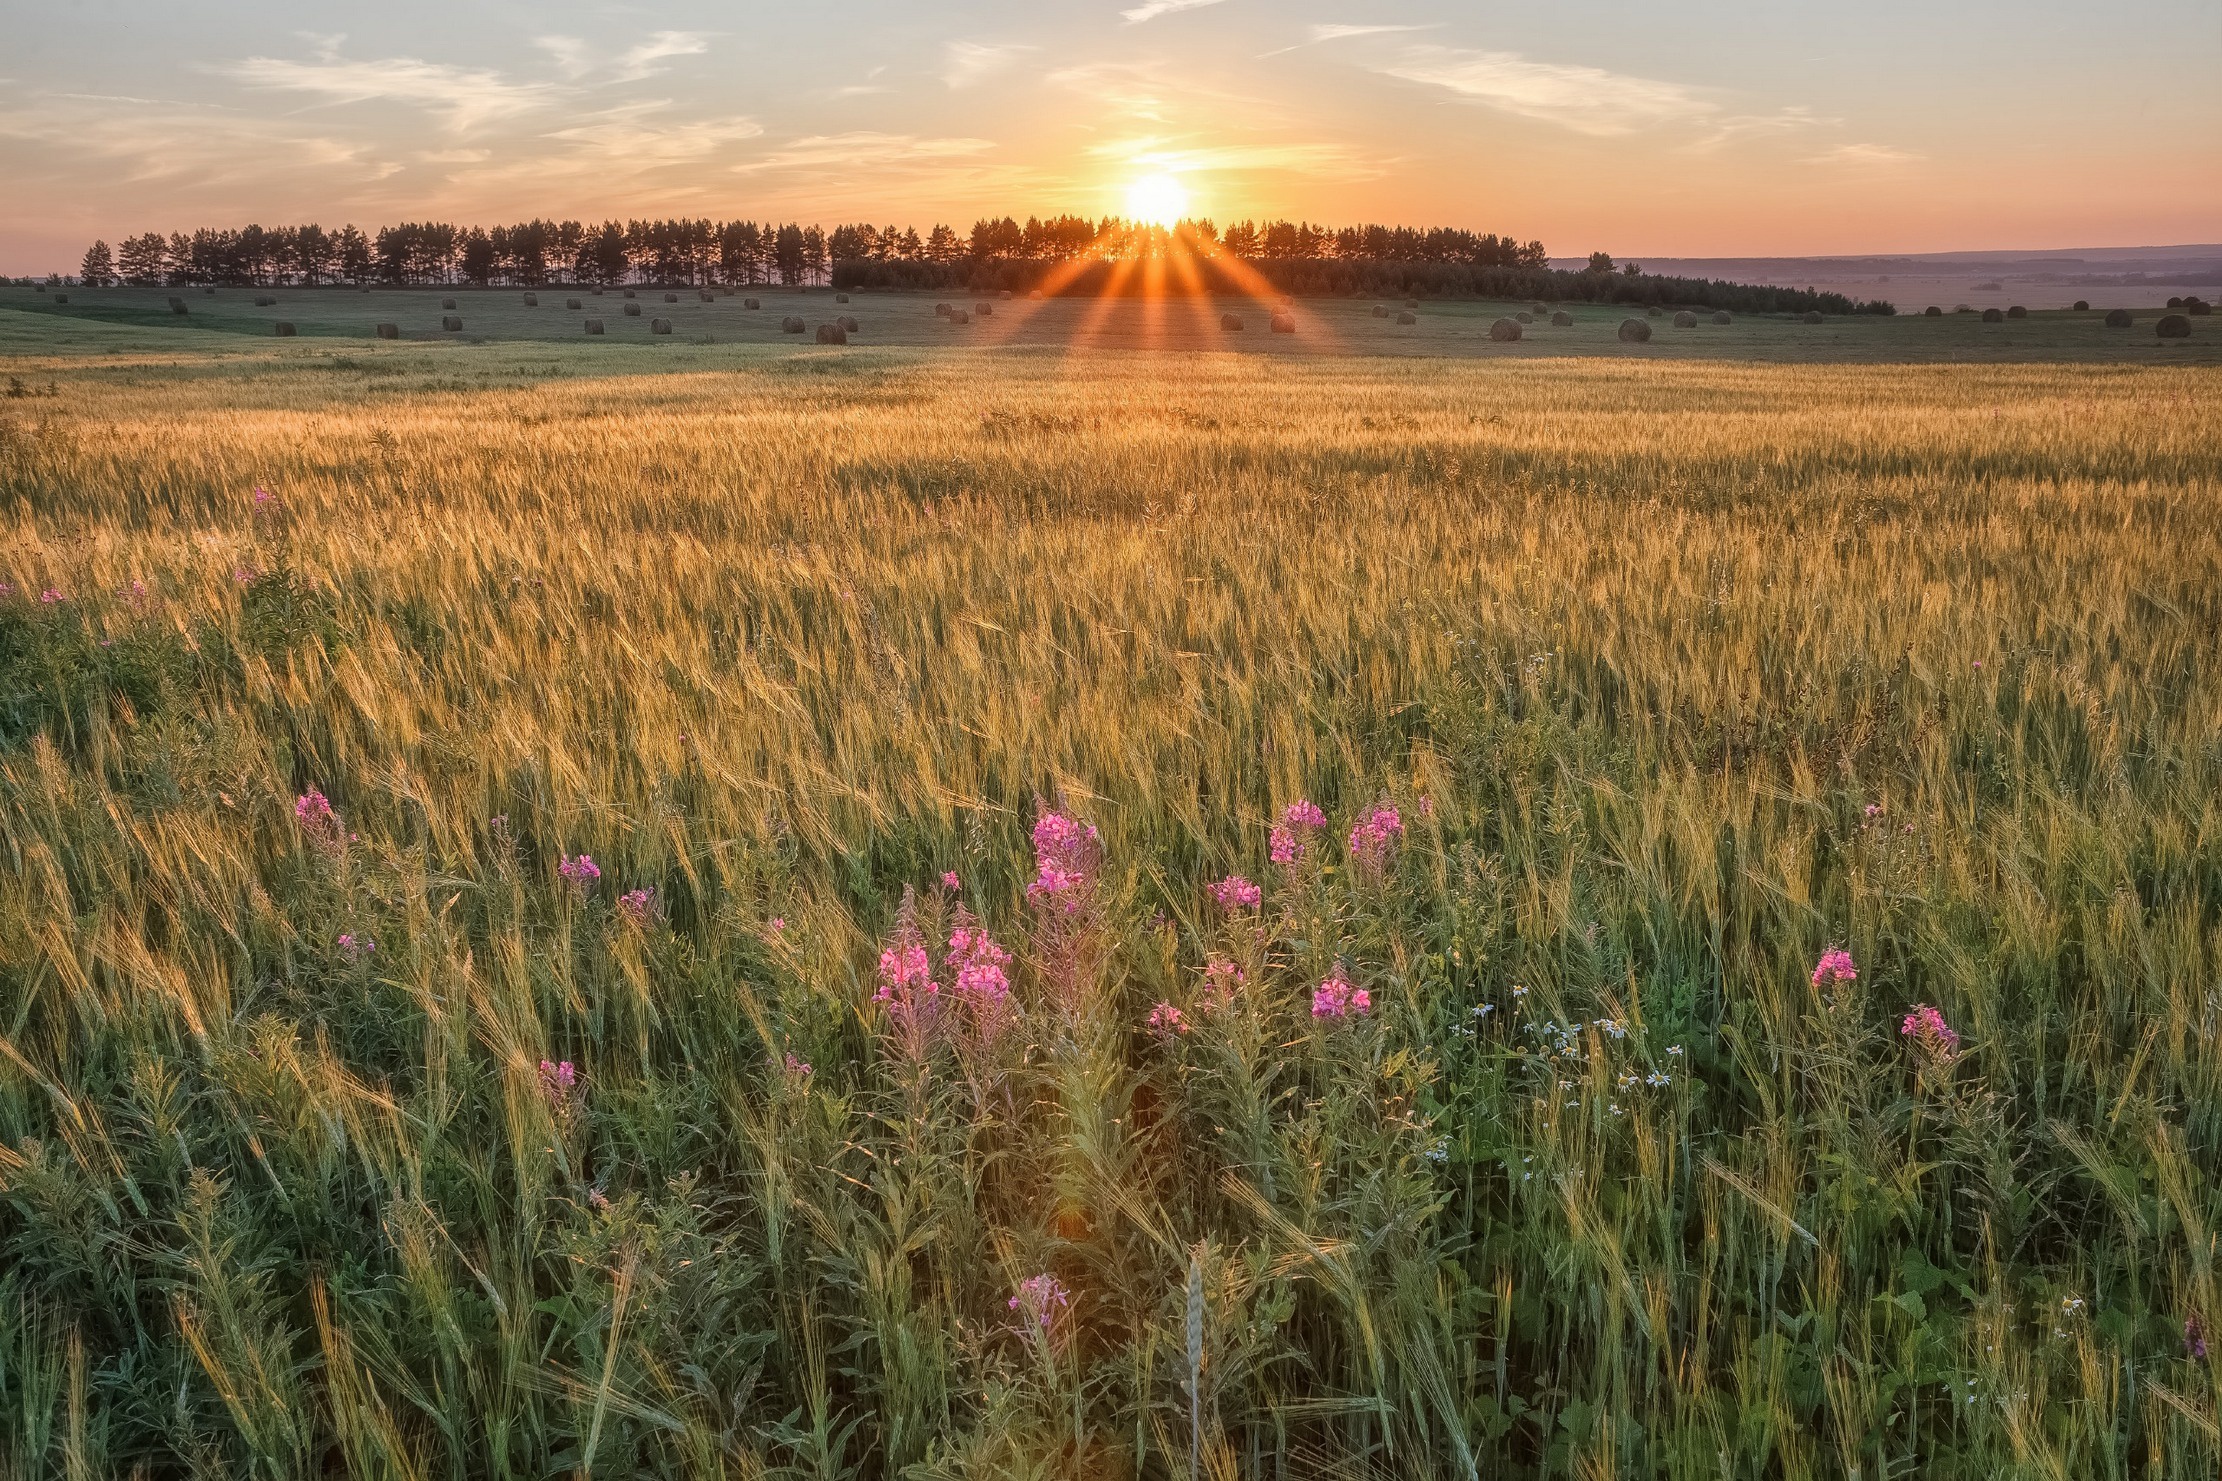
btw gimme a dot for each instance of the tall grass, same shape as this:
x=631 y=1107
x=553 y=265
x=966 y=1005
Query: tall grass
x=1677 y=676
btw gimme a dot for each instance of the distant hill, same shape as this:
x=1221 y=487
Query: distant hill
x=2130 y=276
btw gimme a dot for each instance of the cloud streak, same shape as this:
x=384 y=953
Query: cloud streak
x=1150 y=10
x=967 y=62
x=464 y=99
x=1587 y=100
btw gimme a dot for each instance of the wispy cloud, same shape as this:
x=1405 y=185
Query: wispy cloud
x=1870 y=156
x=1150 y=10
x=1316 y=160
x=967 y=62
x=863 y=148
x=1345 y=32
x=640 y=61
x=1735 y=127
x=569 y=52
x=1587 y=100
x=462 y=98
x=637 y=134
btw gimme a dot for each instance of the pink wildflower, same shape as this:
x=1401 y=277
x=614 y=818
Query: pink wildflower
x=778 y=923
x=1336 y=998
x=581 y=871
x=313 y=811
x=1834 y=968
x=796 y=1069
x=1285 y=848
x=949 y=880
x=263 y=497
x=1926 y=1027
x=1040 y=1298
x=1304 y=815
x=1372 y=837
x=977 y=969
x=1066 y=856
x=1222 y=980
x=1236 y=893
x=354 y=947
x=638 y=905
x=50 y=596
x=560 y=1084
x=1166 y=1021
x=1291 y=836
x=2194 y=1337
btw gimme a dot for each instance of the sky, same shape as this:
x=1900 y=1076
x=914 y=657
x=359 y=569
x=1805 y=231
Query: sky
x=1707 y=128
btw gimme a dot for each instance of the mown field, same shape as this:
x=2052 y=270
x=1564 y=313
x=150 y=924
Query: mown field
x=1625 y=692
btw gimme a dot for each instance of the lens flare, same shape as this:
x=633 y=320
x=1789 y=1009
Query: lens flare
x=1159 y=200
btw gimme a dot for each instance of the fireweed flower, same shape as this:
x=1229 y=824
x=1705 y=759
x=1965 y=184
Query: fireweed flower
x=1927 y=1031
x=1166 y=1021
x=1040 y=1299
x=560 y=1084
x=581 y=871
x=2194 y=1336
x=264 y=498
x=1222 y=980
x=638 y=905
x=1834 y=968
x=312 y=810
x=977 y=968
x=797 y=1070
x=50 y=596
x=1066 y=856
x=949 y=879
x=1373 y=835
x=1236 y=893
x=1304 y=815
x=1336 y=998
x=355 y=948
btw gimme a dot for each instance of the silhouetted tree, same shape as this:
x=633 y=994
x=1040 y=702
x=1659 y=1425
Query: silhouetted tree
x=99 y=268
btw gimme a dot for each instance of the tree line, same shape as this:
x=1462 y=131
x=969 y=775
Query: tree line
x=738 y=253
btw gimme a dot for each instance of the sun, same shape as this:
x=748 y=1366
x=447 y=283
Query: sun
x=1159 y=200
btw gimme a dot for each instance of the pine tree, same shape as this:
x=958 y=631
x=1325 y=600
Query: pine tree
x=99 y=268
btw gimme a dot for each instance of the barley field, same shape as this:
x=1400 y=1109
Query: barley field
x=935 y=914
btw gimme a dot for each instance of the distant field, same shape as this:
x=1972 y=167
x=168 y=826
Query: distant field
x=1325 y=326
x=350 y=1124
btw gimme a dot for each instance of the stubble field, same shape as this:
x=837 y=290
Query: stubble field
x=1521 y=1126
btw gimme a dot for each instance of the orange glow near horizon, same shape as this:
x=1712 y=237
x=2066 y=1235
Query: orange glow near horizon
x=1158 y=200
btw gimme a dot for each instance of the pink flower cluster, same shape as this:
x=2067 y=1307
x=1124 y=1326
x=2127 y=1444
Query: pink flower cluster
x=1834 y=967
x=355 y=948
x=1926 y=1027
x=949 y=880
x=1336 y=998
x=1166 y=1021
x=978 y=973
x=1236 y=893
x=639 y=906
x=560 y=1084
x=1040 y=1298
x=581 y=871
x=313 y=811
x=1066 y=857
x=1373 y=835
x=796 y=1069
x=1222 y=980
x=1292 y=835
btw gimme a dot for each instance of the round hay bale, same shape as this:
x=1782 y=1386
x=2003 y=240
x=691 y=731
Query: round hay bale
x=266 y=302
x=840 y=298
x=792 y=325
x=1505 y=329
x=832 y=334
x=1035 y=296
x=572 y=303
x=596 y=290
x=2198 y=308
x=2083 y=305
x=1540 y=310
x=1932 y=312
x=209 y=291
x=1411 y=303
x=2017 y=312
x=1993 y=316
x=532 y=300
x=1652 y=311
x=177 y=306
x=1284 y=323
x=2118 y=319
x=64 y=298
x=1406 y=316
x=659 y=326
x=1230 y=321
x=751 y=303
x=1720 y=316
x=984 y=310
x=282 y=329
x=628 y=293
x=706 y=295
x=848 y=325
x=1006 y=293
x=450 y=323
x=1380 y=311
x=1685 y=320
x=671 y=298
x=1810 y=316
x=1634 y=331
x=594 y=326
x=2175 y=303
x=1563 y=319
x=1524 y=317
x=2173 y=326
x=447 y=303
x=388 y=331
x=959 y=316
x=632 y=311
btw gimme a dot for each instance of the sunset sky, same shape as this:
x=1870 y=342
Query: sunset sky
x=1707 y=128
